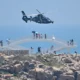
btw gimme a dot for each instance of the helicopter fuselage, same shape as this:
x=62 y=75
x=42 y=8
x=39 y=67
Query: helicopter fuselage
x=39 y=18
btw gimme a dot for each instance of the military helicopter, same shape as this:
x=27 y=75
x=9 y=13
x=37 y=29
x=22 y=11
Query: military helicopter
x=38 y=18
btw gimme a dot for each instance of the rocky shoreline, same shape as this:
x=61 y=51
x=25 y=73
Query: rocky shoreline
x=40 y=67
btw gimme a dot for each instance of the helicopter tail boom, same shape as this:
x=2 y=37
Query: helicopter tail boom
x=25 y=18
x=23 y=13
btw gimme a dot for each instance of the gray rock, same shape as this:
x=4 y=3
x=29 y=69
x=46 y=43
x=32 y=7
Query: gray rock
x=16 y=68
x=43 y=76
x=26 y=66
x=31 y=66
x=15 y=62
x=41 y=66
x=40 y=75
x=66 y=77
x=66 y=60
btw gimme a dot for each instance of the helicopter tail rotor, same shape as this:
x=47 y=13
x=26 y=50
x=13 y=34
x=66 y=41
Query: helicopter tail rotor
x=23 y=13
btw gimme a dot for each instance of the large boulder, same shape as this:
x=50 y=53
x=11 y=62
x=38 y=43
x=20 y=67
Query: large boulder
x=16 y=68
x=41 y=66
x=72 y=68
x=40 y=74
x=67 y=60
x=26 y=66
x=69 y=72
x=31 y=66
x=66 y=77
x=16 y=62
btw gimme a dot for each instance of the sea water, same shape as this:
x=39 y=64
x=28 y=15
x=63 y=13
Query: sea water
x=61 y=32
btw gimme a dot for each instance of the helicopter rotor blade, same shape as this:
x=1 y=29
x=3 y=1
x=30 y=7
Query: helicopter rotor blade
x=38 y=11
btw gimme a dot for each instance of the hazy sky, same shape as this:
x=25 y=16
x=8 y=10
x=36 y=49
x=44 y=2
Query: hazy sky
x=61 y=11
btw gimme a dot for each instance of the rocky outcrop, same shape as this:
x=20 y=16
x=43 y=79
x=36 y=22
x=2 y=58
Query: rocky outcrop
x=66 y=69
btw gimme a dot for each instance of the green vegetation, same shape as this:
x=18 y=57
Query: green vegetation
x=49 y=60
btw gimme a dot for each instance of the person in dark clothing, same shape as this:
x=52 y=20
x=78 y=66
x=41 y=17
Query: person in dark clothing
x=76 y=52
x=71 y=42
x=54 y=52
x=31 y=49
x=45 y=36
x=1 y=42
x=75 y=75
x=33 y=34
x=39 y=49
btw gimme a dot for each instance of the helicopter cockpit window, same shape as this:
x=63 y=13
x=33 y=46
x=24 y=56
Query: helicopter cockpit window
x=48 y=19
